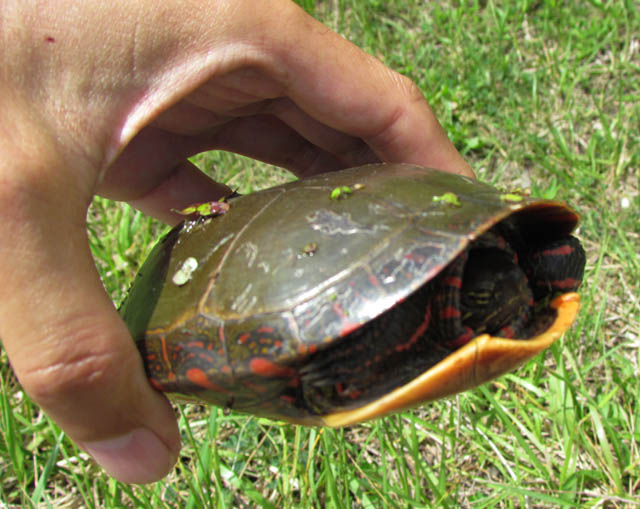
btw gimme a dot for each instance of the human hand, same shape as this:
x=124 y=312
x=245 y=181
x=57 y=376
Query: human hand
x=111 y=99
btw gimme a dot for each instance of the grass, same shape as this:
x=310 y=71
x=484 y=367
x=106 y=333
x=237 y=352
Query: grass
x=541 y=94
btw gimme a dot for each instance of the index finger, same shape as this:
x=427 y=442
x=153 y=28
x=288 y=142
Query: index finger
x=369 y=101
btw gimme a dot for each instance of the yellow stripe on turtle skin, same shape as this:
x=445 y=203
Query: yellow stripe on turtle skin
x=482 y=359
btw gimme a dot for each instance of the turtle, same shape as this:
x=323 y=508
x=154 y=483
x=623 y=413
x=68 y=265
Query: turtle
x=354 y=294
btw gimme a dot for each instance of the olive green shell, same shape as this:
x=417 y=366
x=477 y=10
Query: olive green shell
x=292 y=268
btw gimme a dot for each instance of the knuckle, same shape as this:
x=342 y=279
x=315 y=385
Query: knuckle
x=409 y=88
x=77 y=369
x=65 y=378
x=408 y=92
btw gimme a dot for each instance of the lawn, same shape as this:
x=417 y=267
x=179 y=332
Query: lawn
x=538 y=94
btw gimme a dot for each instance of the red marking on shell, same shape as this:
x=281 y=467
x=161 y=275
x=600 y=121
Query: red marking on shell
x=165 y=354
x=373 y=280
x=243 y=338
x=348 y=328
x=450 y=312
x=171 y=376
x=226 y=369
x=453 y=281
x=265 y=367
x=199 y=377
x=422 y=328
x=345 y=392
x=507 y=332
x=337 y=308
x=569 y=283
x=355 y=394
x=288 y=399
x=265 y=330
x=563 y=250
x=156 y=384
x=207 y=358
x=462 y=339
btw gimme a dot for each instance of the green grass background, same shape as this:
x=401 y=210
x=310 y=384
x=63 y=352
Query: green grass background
x=540 y=94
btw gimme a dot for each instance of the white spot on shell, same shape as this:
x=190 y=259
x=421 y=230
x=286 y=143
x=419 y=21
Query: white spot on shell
x=250 y=251
x=245 y=301
x=183 y=275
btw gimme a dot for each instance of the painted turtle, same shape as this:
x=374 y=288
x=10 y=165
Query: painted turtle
x=328 y=307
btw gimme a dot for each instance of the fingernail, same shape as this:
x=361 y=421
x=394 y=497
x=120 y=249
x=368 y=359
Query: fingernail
x=138 y=457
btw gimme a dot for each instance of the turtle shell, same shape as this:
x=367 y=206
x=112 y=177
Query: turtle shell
x=248 y=309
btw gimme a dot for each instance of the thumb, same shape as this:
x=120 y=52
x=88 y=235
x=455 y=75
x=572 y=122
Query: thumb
x=67 y=344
